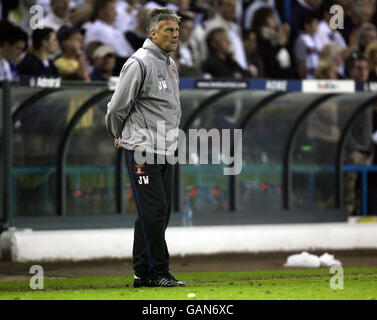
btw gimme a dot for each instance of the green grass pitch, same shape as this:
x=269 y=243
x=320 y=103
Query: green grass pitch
x=286 y=284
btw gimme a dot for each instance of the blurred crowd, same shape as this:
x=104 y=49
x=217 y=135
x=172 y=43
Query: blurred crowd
x=292 y=39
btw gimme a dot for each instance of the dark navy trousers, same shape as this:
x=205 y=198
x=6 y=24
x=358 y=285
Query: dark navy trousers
x=152 y=186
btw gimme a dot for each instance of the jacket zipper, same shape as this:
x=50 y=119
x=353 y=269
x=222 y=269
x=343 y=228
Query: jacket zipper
x=175 y=82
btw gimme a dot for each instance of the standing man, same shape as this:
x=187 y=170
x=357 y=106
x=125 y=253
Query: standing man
x=359 y=144
x=38 y=62
x=102 y=29
x=147 y=96
x=225 y=19
x=13 y=42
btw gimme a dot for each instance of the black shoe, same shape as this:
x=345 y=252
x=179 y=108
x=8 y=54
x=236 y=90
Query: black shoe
x=140 y=282
x=159 y=281
x=179 y=282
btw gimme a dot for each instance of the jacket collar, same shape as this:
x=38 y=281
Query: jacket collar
x=157 y=51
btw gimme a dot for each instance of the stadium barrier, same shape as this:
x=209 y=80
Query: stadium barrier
x=59 y=169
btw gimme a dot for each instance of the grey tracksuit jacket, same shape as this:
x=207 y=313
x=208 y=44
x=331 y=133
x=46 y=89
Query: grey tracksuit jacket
x=146 y=93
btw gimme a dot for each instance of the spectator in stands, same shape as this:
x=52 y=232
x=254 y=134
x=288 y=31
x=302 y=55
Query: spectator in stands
x=220 y=62
x=307 y=47
x=371 y=55
x=359 y=144
x=89 y=50
x=38 y=62
x=186 y=70
x=58 y=16
x=367 y=33
x=204 y=11
x=187 y=52
x=45 y=4
x=358 y=68
x=13 y=42
x=127 y=17
x=102 y=29
x=326 y=70
x=104 y=64
x=333 y=52
x=254 y=59
x=303 y=8
x=137 y=36
x=272 y=41
x=325 y=33
x=254 y=6
x=81 y=12
x=71 y=64
x=224 y=18
x=361 y=12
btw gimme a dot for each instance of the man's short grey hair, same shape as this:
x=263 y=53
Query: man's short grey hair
x=156 y=15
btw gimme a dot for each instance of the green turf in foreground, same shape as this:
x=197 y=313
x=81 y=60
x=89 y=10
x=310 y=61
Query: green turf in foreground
x=359 y=283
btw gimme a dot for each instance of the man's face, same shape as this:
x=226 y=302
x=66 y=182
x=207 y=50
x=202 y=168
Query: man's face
x=60 y=8
x=80 y=38
x=105 y=64
x=271 y=22
x=313 y=27
x=52 y=45
x=167 y=35
x=13 y=51
x=108 y=14
x=228 y=9
x=360 y=71
x=73 y=43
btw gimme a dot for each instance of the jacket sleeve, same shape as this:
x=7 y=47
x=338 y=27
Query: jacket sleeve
x=123 y=98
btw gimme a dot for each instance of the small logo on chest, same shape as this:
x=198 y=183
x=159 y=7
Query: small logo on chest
x=161 y=81
x=162 y=85
x=174 y=73
x=139 y=169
